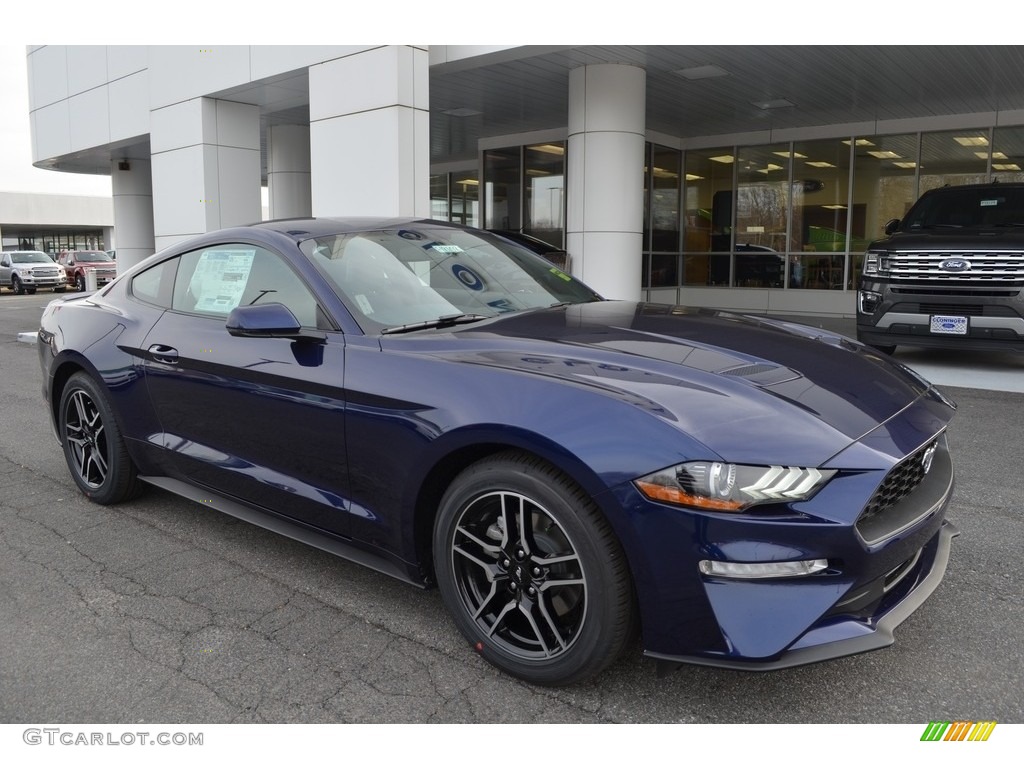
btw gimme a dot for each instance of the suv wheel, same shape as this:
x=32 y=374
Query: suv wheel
x=16 y=285
x=80 y=282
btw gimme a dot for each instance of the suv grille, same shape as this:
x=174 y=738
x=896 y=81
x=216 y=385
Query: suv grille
x=985 y=266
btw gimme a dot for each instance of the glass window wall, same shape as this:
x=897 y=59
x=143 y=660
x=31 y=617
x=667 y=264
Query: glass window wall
x=544 y=179
x=954 y=157
x=503 y=188
x=884 y=187
x=1008 y=154
x=707 y=224
x=662 y=176
x=763 y=202
x=455 y=197
x=822 y=214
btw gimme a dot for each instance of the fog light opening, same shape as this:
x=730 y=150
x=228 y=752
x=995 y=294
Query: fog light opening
x=869 y=301
x=781 y=570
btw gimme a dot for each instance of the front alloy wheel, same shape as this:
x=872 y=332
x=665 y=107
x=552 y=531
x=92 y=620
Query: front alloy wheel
x=17 y=286
x=531 y=572
x=93 y=446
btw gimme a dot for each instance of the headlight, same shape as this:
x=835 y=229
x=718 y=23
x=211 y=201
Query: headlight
x=725 y=487
x=876 y=263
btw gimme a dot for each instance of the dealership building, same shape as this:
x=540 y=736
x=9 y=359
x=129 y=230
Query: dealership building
x=741 y=177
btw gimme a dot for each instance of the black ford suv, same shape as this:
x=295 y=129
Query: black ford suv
x=950 y=274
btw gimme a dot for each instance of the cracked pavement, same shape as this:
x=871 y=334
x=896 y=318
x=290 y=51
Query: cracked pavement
x=162 y=610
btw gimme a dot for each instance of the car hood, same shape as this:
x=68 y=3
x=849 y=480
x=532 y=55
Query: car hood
x=972 y=239
x=736 y=383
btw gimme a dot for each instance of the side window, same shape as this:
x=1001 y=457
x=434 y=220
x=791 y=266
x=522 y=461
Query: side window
x=154 y=285
x=213 y=281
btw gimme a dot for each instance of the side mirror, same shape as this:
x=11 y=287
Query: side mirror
x=891 y=226
x=269 y=321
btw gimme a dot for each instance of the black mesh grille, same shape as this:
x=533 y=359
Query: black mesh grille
x=899 y=483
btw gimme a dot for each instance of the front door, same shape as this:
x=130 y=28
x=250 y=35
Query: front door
x=259 y=419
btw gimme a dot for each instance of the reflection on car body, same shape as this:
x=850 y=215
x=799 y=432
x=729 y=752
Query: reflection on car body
x=430 y=401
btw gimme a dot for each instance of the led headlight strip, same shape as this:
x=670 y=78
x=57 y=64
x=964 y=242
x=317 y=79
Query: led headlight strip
x=726 y=487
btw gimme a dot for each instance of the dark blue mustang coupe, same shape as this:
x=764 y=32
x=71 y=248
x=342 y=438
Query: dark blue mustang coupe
x=439 y=404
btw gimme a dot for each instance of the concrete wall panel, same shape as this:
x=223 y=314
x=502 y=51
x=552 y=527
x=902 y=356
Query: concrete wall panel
x=182 y=72
x=87 y=67
x=89 y=119
x=129 y=106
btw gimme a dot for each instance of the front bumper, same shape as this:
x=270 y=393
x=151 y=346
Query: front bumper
x=902 y=314
x=839 y=636
x=32 y=281
x=879 y=523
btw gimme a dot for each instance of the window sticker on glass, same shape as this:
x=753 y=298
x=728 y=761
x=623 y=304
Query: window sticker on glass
x=220 y=277
x=559 y=273
x=446 y=248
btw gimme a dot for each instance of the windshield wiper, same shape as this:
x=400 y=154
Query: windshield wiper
x=444 y=321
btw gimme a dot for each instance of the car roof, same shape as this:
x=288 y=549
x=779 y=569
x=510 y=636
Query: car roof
x=303 y=229
x=989 y=185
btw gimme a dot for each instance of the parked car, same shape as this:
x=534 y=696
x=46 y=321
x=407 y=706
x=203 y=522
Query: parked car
x=26 y=271
x=432 y=402
x=75 y=264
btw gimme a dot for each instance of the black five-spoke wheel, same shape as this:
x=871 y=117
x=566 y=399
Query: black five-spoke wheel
x=93 y=446
x=531 y=572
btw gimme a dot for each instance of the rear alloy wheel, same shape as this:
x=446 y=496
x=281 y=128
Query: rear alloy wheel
x=531 y=572
x=16 y=285
x=93 y=445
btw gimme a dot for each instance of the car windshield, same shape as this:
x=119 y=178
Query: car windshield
x=991 y=206
x=91 y=256
x=398 y=277
x=32 y=257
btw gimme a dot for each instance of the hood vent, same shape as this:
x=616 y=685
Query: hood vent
x=762 y=374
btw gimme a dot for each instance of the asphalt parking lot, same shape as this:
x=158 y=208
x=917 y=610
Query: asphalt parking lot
x=163 y=611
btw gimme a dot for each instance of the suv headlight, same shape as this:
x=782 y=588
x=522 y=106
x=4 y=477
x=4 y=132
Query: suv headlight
x=722 y=487
x=876 y=263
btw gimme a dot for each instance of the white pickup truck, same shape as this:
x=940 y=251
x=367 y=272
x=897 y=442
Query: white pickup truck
x=25 y=271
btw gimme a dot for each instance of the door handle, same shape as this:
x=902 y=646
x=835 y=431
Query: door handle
x=163 y=354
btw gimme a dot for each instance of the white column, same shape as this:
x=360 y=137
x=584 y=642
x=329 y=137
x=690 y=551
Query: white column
x=288 y=171
x=206 y=167
x=132 y=184
x=369 y=134
x=605 y=177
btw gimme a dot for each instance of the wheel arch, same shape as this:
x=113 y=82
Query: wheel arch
x=474 y=447
x=61 y=373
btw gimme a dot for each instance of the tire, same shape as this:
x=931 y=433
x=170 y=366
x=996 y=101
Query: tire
x=31 y=291
x=16 y=285
x=80 y=282
x=531 y=572
x=93 y=446
x=59 y=289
